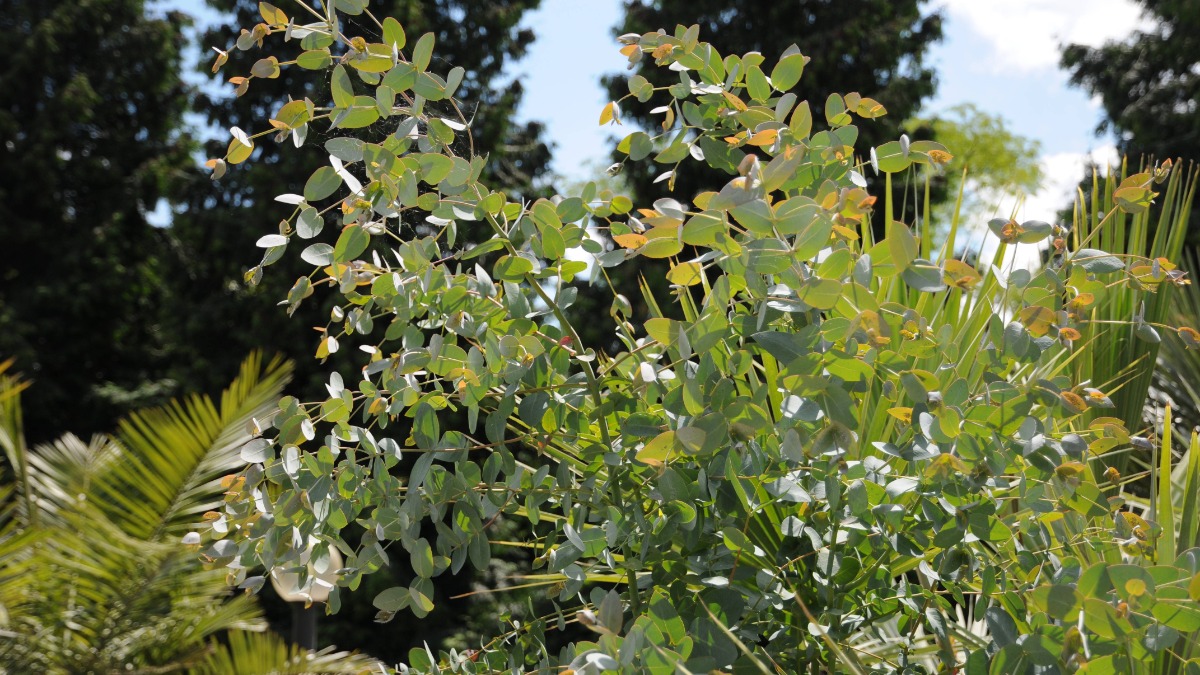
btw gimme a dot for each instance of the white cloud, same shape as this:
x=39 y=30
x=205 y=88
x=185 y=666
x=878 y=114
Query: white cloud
x=1062 y=172
x=1025 y=34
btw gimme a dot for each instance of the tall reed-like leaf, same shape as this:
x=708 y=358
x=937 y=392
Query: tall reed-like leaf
x=1121 y=357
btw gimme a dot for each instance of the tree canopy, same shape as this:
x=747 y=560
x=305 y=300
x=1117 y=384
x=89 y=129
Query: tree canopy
x=1148 y=84
x=91 y=103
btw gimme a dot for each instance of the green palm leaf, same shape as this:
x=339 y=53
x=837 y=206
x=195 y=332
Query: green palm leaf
x=93 y=577
x=168 y=473
x=244 y=653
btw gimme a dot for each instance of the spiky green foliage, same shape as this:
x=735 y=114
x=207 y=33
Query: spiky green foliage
x=97 y=577
x=1147 y=232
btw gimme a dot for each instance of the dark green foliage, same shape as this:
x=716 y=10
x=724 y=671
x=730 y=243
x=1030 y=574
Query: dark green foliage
x=90 y=106
x=1148 y=84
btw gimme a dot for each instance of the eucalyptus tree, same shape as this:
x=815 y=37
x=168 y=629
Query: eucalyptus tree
x=837 y=453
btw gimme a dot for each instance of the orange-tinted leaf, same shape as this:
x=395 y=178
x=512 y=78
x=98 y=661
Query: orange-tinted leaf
x=631 y=240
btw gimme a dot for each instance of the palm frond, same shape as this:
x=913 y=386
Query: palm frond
x=1158 y=232
x=61 y=473
x=245 y=653
x=93 y=577
x=168 y=472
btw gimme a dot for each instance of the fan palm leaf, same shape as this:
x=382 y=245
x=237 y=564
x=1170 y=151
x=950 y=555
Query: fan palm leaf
x=95 y=577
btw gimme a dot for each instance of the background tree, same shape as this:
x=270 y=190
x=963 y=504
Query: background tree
x=91 y=103
x=1000 y=164
x=1148 y=86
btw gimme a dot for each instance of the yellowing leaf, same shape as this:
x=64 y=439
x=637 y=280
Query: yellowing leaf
x=631 y=240
x=328 y=346
x=686 y=274
x=1073 y=402
x=656 y=452
x=869 y=108
x=1037 y=319
x=763 y=138
x=292 y=114
x=267 y=68
x=902 y=414
x=238 y=152
x=662 y=330
x=222 y=58
x=960 y=275
x=610 y=114
x=737 y=103
x=393 y=33
x=272 y=14
x=661 y=248
x=1068 y=333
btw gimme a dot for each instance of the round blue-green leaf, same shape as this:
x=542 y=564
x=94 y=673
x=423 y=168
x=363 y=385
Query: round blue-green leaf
x=512 y=268
x=363 y=113
x=392 y=599
x=891 y=158
x=309 y=223
x=352 y=7
x=318 y=255
x=423 y=52
x=453 y=79
x=787 y=72
x=271 y=241
x=767 y=256
x=420 y=594
x=314 y=59
x=322 y=183
x=924 y=275
x=341 y=88
x=435 y=167
x=257 y=451
x=345 y=149
x=1097 y=261
x=352 y=242
x=421 y=557
x=393 y=33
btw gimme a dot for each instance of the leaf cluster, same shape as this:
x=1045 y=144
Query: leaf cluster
x=831 y=449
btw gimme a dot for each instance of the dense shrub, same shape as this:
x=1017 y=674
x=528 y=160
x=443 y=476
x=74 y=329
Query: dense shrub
x=819 y=453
